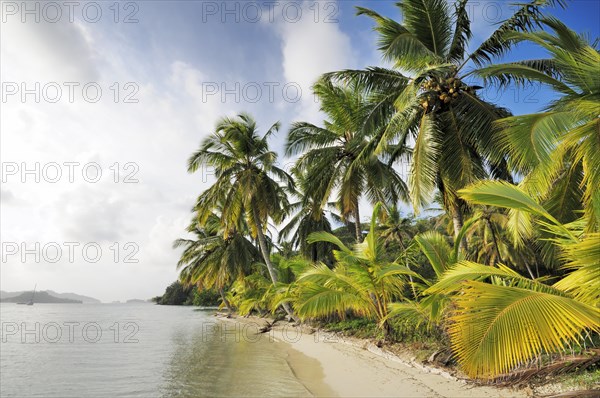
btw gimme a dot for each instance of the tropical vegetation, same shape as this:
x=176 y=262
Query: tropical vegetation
x=506 y=273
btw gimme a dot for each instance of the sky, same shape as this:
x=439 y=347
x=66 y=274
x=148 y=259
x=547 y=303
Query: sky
x=103 y=102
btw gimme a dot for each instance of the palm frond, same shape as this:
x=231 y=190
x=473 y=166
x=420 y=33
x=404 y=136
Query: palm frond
x=430 y=22
x=496 y=328
x=437 y=250
x=462 y=32
x=526 y=18
x=424 y=165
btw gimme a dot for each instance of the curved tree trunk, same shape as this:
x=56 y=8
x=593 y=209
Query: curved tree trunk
x=225 y=301
x=262 y=242
x=357 y=226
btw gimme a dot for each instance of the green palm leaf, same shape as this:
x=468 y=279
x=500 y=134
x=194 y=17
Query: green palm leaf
x=430 y=22
x=437 y=250
x=524 y=19
x=330 y=238
x=424 y=165
x=462 y=32
x=396 y=39
x=503 y=194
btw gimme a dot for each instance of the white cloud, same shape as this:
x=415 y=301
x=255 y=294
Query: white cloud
x=311 y=48
x=47 y=52
x=157 y=135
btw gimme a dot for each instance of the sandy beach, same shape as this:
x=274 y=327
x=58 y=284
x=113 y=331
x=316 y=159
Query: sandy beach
x=331 y=366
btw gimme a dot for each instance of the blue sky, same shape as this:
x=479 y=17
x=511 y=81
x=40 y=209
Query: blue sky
x=175 y=62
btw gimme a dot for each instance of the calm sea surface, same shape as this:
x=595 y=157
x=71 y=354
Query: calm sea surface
x=138 y=350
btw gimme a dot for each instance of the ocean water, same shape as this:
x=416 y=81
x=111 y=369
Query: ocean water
x=137 y=350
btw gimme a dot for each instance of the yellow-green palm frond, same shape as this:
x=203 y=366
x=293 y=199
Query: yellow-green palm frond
x=322 y=292
x=496 y=328
x=410 y=310
x=506 y=195
x=500 y=274
x=584 y=260
x=330 y=238
x=437 y=250
x=430 y=310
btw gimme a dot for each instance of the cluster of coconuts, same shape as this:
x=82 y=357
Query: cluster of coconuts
x=442 y=91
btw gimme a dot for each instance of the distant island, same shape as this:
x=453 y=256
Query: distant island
x=179 y=294
x=40 y=297
x=137 y=301
x=78 y=298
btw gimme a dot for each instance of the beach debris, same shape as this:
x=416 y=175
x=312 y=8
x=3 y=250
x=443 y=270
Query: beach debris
x=561 y=365
x=432 y=357
x=267 y=327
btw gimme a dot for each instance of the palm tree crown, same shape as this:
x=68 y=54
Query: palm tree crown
x=434 y=106
x=339 y=155
x=247 y=179
x=558 y=149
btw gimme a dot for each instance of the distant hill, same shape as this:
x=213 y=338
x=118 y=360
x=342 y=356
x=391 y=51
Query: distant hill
x=40 y=297
x=77 y=297
x=70 y=296
x=4 y=294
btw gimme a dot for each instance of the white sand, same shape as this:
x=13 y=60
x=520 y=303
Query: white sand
x=346 y=368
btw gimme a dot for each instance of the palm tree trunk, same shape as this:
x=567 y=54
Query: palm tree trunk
x=387 y=330
x=529 y=270
x=357 y=226
x=498 y=255
x=457 y=221
x=262 y=242
x=225 y=301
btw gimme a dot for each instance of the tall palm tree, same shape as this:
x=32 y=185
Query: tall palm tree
x=248 y=182
x=558 y=149
x=432 y=103
x=339 y=155
x=210 y=260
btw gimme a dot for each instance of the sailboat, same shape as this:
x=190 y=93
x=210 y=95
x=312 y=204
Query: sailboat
x=30 y=302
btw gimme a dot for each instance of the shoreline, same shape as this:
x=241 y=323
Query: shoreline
x=349 y=367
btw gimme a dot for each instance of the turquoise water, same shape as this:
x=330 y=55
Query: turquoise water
x=141 y=350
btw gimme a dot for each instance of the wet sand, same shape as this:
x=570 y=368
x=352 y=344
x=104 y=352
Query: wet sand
x=329 y=366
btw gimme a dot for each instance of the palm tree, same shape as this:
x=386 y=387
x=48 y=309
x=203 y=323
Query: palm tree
x=432 y=104
x=363 y=281
x=247 y=180
x=428 y=308
x=310 y=217
x=339 y=155
x=210 y=260
x=558 y=149
x=395 y=228
x=487 y=244
x=503 y=319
